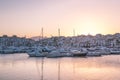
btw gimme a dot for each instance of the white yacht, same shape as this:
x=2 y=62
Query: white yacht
x=54 y=54
x=77 y=53
x=115 y=51
x=94 y=53
x=36 y=53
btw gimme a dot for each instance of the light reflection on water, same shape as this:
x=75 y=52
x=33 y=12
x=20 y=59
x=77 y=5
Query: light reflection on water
x=22 y=67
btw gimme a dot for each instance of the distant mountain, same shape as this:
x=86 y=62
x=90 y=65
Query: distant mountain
x=36 y=38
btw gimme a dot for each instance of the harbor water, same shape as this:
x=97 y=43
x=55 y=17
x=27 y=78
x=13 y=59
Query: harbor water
x=23 y=67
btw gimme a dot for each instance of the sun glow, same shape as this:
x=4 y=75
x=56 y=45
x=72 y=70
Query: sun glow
x=90 y=27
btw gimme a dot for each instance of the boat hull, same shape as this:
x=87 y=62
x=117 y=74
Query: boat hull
x=79 y=55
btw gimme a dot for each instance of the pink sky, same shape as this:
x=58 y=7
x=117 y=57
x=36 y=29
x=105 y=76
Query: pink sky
x=27 y=17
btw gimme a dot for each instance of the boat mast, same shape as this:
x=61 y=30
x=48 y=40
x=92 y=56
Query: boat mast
x=73 y=32
x=42 y=36
x=58 y=32
x=42 y=32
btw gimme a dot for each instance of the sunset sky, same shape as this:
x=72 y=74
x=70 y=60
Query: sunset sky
x=27 y=17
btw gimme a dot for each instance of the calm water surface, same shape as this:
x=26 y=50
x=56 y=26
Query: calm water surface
x=22 y=67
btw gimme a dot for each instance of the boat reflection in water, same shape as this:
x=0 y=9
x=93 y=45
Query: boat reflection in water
x=22 y=67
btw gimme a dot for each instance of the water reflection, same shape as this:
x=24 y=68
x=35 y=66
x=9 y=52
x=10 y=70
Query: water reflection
x=40 y=68
x=22 y=67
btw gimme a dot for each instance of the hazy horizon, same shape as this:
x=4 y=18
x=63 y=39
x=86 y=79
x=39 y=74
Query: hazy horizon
x=27 y=17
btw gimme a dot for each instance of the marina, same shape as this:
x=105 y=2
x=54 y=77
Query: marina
x=56 y=47
x=72 y=53
x=59 y=39
x=74 y=46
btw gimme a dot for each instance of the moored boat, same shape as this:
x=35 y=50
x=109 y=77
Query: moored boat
x=36 y=53
x=77 y=53
x=114 y=52
x=93 y=53
x=54 y=54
